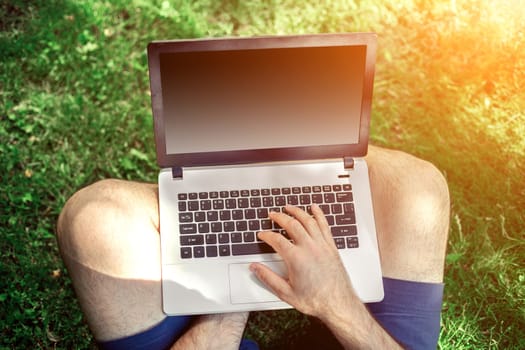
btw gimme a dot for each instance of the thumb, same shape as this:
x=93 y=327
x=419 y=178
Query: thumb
x=278 y=285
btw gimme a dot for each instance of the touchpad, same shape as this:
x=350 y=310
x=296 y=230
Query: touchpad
x=245 y=287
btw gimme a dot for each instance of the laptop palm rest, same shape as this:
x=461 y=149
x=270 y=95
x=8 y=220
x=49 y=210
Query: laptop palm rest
x=246 y=288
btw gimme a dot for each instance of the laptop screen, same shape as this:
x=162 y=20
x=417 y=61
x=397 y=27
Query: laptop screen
x=258 y=99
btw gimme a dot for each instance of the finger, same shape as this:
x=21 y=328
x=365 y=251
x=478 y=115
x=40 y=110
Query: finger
x=272 y=280
x=304 y=218
x=323 y=223
x=293 y=227
x=275 y=240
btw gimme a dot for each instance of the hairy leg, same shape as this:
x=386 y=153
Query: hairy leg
x=411 y=208
x=108 y=235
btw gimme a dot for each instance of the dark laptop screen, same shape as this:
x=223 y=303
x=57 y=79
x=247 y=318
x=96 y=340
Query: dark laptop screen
x=260 y=99
x=245 y=100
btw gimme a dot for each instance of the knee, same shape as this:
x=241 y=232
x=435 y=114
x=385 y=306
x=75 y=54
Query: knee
x=412 y=187
x=426 y=187
x=423 y=182
x=87 y=215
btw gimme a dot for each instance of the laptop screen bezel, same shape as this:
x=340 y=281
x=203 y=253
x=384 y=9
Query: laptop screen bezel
x=165 y=160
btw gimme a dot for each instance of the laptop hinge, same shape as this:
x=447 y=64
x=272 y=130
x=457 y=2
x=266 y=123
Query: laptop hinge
x=349 y=163
x=176 y=172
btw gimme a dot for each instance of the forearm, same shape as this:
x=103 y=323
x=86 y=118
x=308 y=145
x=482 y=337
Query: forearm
x=220 y=331
x=355 y=328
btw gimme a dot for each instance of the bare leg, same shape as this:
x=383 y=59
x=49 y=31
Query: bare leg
x=411 y=207
x=109 y=241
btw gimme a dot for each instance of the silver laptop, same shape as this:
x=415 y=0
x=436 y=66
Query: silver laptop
x=244 y=126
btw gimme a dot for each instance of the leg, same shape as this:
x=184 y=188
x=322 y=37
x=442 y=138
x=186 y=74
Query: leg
x=109 y=240
x=411 y=207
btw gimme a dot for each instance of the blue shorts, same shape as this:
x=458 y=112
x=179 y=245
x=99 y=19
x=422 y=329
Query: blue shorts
x=410 y=313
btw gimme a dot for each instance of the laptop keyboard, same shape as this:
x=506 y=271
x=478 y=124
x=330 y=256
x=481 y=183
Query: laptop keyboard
x=225 y=223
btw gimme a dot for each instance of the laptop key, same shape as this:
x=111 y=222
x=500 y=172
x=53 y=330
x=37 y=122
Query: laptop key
x=216 y=226
x=251 y=248
x=224 y=250
x=225 y=215
x=187 y=228
x=212 y=216
x=249 y=236
x=254 y=225
x=229 y=226
x=224 y=238
x=236 y=237
x=349 y=230
x=200 y=216
x=340 y=242
x=241 y=225
x=192 y=240
x=262 y=213
x=266 y=224
x=249 y=214
x=292 y=200
x=336 y=208
x=218 y=204
x=203 y=227
x=345 y=219
x=211 y=238
x=231 y=203
x=193 y=205
x=198 y=252
x=280 y=201
x=237 y=214
x=348 y=207
x=304 y=199
x=205 y=204
x=267 y=202
x=185 y=217
x=329 y=198
x=211 y=251
x=185 y=252
x=344 y=197
x=352 y=242
x=243 y=203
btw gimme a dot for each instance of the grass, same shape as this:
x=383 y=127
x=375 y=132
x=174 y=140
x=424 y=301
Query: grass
x=448 y=89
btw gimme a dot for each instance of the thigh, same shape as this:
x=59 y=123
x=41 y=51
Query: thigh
x=411 y=209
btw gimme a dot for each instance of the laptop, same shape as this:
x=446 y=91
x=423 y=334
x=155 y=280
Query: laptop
x=244 y=126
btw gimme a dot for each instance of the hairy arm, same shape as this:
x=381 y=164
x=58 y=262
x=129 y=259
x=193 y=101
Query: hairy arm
x=317 y=282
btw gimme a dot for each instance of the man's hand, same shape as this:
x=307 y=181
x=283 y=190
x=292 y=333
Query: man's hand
x=317 y=283
x=317 y=280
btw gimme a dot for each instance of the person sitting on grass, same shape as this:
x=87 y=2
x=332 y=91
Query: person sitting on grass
x=108 y=234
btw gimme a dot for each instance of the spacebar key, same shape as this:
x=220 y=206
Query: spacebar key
x=251 y=248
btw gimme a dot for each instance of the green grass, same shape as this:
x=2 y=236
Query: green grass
x=74 y=108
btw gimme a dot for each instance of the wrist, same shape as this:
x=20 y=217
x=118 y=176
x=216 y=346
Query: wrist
x=355 y=328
